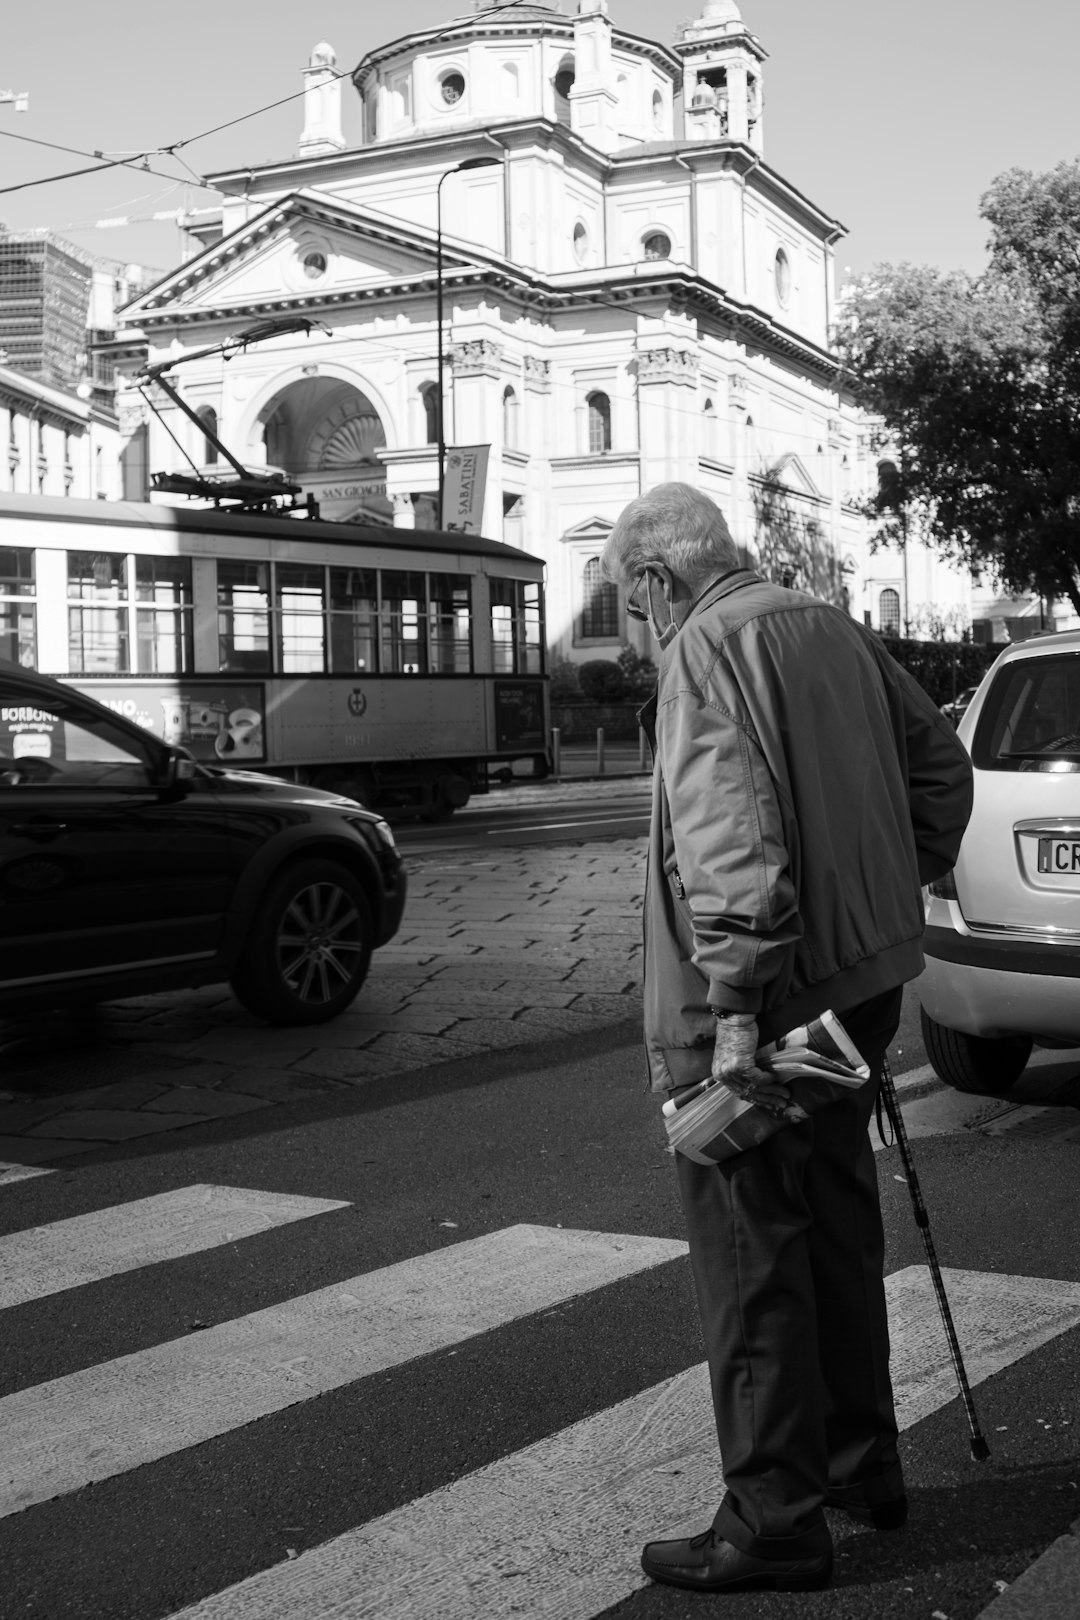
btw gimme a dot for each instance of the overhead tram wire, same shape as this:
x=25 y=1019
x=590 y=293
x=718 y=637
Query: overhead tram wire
x=137 y=160
x=134 y=161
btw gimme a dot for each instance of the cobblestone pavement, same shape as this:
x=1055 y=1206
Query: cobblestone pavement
x=499 y=948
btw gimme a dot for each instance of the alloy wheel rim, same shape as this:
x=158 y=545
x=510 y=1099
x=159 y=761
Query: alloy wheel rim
x=319 y=943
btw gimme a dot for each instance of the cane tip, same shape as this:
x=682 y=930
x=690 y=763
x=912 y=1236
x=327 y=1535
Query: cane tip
x=979 y=1448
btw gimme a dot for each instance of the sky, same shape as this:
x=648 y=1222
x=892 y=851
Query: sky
x=894 y=118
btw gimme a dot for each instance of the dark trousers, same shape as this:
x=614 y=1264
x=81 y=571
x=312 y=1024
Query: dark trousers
x=787 y=1248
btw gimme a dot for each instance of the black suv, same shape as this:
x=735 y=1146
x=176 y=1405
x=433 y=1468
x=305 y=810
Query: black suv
x=125 y=866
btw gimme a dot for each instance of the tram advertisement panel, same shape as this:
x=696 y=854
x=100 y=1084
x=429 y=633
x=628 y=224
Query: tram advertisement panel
x=519 y=714
x=212 y=720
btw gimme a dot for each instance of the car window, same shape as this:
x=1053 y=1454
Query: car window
x=1031 y=717
x=66 y=747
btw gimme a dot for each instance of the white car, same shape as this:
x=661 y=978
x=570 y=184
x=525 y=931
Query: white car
x=1003 y=929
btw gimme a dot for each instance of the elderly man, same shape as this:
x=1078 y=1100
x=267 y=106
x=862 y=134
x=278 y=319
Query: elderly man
x=804 y=788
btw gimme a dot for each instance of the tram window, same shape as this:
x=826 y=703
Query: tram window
x=353 y=621
x=98 y=633
x=404 y=623
x=163 y=622
x=301 y=598
x=517 y=628
x=450 y=624
x=243 y=590
x=18 y=640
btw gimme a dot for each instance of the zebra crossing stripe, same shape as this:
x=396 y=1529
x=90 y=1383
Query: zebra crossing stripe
x=61 y=1435
x=20 y=1172
x=555 y=1530
x=88 y=1248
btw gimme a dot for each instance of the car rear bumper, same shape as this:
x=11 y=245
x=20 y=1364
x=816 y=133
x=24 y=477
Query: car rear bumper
x=999 y=987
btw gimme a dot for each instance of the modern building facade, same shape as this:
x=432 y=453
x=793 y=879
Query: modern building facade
x=630 y=293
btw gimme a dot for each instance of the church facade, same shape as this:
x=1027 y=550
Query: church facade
x=629 y=293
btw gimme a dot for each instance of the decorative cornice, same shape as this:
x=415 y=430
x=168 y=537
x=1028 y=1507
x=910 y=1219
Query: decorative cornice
x=537 y=374
x=679 y=366
x=479 y=357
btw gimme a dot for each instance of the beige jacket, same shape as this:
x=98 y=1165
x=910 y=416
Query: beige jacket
x=805 y=787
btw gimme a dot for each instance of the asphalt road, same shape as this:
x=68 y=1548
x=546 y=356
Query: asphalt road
x=553 y=816
x=560 y=1138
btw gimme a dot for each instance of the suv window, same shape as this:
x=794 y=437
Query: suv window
x=1031 y=718
x=66 y=748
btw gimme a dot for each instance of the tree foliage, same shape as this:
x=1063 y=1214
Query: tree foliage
x=977 y=382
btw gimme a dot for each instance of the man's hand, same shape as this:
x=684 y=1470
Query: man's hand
x=733 y=1063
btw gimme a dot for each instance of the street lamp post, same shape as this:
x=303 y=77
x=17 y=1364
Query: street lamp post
x=469 y=163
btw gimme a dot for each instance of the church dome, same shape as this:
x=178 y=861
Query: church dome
x=719 y=16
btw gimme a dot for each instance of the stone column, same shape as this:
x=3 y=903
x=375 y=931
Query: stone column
x=667 y=381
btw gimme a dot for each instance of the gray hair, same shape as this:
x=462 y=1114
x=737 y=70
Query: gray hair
x=674 y=524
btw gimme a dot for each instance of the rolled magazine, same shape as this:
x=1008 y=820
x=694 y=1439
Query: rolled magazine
x=818 y=1061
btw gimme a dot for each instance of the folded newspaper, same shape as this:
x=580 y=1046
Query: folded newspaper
x=818 y=1061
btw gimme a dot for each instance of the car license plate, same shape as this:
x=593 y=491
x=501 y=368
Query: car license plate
x=1060 y=856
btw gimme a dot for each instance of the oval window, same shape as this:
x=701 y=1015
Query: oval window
x=657 y=245
x=782 y=274
x=658 y=110
x=314 y=265
x=581 y=242
x=564 y=82
x=452 y=87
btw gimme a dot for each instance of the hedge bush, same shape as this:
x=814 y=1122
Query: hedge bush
x=943 y=668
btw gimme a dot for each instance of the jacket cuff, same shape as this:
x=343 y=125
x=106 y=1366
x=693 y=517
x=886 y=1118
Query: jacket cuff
x=725 y=999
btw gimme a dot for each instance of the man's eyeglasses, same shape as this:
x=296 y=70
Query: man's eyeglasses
x=633 y=610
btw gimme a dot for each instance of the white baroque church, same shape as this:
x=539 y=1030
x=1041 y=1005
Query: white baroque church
x=630 y=294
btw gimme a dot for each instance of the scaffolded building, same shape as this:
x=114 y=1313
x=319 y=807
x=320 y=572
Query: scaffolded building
x=45 y=286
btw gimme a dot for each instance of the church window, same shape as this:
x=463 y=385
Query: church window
x=314 y=264
x=708 y=428
x=658 y=111
x=889 y=612
x=599 y=604
x=510 y=419
x=581 y=243
x=782 y=277
x=208 y=417
x=887 y=481
x=452 y=87
x=657 y=245
x=563 y=83
x=430 y=401
x=599 y=407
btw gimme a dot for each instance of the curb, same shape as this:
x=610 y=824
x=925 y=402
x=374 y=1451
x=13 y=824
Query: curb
x=1048 y=1588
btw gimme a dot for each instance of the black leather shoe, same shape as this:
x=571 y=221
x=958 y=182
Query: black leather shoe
x=707 y=1563
x=890 y=1515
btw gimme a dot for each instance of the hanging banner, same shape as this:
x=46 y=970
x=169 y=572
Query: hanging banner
x=463 y=491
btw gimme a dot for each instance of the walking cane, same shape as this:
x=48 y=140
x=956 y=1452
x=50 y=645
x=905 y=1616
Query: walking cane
x=979 y=1448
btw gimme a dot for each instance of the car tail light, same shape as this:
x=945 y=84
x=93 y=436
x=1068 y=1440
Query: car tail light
x=944 y=888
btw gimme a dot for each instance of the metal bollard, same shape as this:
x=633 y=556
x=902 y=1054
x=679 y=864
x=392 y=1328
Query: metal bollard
x=643 y=749
x=599 y=750
x=556 y=751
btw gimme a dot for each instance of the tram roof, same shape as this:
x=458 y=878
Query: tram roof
x=211 y=520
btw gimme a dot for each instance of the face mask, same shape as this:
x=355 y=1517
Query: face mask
x=663 y=635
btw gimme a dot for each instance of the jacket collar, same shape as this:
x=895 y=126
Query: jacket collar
x=717 y=589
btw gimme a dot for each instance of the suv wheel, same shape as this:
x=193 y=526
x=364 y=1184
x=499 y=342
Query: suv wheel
x=974 y=1063
x=309 y=947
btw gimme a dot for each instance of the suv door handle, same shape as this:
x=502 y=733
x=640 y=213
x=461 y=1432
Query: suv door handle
x=40 y=830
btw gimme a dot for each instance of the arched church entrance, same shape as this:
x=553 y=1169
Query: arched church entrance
x=326 y=435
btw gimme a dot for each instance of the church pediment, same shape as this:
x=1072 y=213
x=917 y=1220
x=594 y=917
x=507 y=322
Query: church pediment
x=303 y=248
x=594 y=528
x=791 y=475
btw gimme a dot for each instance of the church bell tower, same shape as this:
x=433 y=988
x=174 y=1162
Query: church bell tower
x=722 y=86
